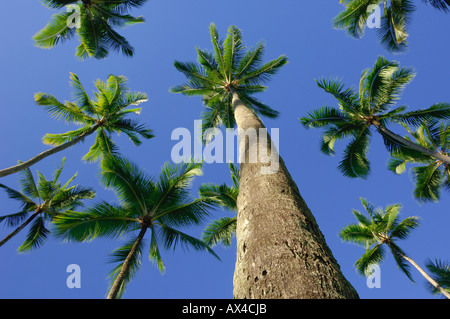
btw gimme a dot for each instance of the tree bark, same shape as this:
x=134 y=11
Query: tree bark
x=41 y=156
x=414 y=146
x=281 y=252
x=18 y=229
x=126 y=264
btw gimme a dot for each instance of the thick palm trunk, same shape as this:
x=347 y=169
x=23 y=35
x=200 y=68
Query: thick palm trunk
x=281 y=253
x=41 y=156
x=18 y=229
x=424 y=274
x=414 y=146
x=126 y=264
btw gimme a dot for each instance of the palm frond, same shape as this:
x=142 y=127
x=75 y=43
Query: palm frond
x=36 y=235
x=220 y=231
x=172 y=238
x=100 y=220
x=355 y=163
x=57 y=30
x=373 y=256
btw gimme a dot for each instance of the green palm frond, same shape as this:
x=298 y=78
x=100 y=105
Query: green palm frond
x=97 y=20
x=354 y=18
x=220 y=231
x=400 y=261
x=101 y=220
x=173 y=238
x=155 y=255
x=394 y=21
x=15 y=219
x=56 y=31
x=442 y=5
x=393 y=31
x=373 y=256
x=355 y=163
x=36 y=236
x=440 y=271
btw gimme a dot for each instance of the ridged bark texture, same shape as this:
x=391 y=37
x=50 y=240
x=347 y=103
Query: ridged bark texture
x=281 y=252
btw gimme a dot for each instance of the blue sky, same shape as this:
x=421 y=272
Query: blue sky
x=300 y=29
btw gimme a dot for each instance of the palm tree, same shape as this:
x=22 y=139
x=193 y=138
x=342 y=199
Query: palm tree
x=104 y=115
x=430 y=175
x=273 y=221
x=223 y=229
x=97 y=20
x=371 y=106
x=394 y=22
x=159 y=207
x=46 y=200
x=383 y=228
x=441 y=274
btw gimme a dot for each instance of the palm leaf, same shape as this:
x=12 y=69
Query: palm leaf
x=220 y=231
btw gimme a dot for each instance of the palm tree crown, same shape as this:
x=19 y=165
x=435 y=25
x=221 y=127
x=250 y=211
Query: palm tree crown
x=229 y=68
x=370 y=106
x=382 y=228
x=46 y=199
x=394 y=22
x=105 y=114
x=161 y=207
x=97 y=20
x=430 y=175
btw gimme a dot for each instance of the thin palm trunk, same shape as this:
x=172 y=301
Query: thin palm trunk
x=41 y=156
x=18 y=229
x=281 y=252
x=126 y=264
x=424 y=274
x=414 y=146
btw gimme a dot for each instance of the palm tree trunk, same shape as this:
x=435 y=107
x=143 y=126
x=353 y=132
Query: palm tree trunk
x=414 y=146
x=126 y=264
x=281 y=252
x=41 y=156
x=18 y=229
x=423 y=273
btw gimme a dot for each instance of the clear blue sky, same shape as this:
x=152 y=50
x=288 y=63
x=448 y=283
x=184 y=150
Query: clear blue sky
x=300 y=29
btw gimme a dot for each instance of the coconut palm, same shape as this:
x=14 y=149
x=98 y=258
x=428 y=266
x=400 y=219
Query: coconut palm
x=371 y=106
x=394 y=22
x=269 y=203
x=441 y=274
x=430 y=175
x=223 y=229
x=104 y=115
x=157 y=208
x=383 y=228
x=45 y=200
x=94 y=22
